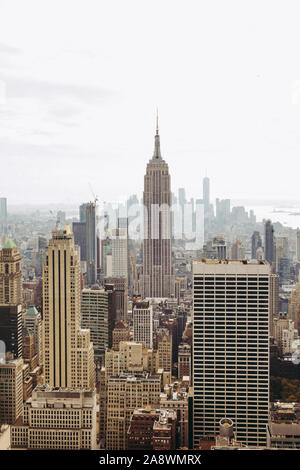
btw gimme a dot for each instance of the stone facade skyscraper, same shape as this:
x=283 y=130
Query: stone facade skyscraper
x=158 y=273
x=68 y=352
x=11 y=298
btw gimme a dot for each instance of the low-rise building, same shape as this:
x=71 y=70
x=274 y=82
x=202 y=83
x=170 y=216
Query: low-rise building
x=57 y=418
x=283 y=430
x=152 y=429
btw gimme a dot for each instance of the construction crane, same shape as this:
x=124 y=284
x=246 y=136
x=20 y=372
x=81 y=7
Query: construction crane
x=94 y=195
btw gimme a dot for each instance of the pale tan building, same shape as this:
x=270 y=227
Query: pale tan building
x=285 y=335
x=11 y=298
x=294 y=306
x=129 y=358
x=57 y=419
x=10 y=275
x=4 y=437
x=11 y=390
x=164 y=350
x=68 y=351
x=125 y=393
x=120 y=252
x=121 y=332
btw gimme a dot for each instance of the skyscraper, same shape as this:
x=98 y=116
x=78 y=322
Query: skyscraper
x=143 y=323
x=94 y=316
x=182 y=207
x=206 y=200
x=82 y=213
x=11 y=298
x=231 y=348
x=91 y=242
x=10 y=275
x=79 y=231
x=11 y=390
x=282 y=261
x=85 y=235
x=3 y=214
x=158 y=274
x=255 y=244
x=119 y=252
x=269 y=242
x=68 y=352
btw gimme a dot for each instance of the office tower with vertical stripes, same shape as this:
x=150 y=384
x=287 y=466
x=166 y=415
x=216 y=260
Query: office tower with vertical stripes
x=95 y=317
x=231 y=348
x=68 y=353
x=143 y=323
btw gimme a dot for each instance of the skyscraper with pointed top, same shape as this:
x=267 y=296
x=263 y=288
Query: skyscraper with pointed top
x=158 y=272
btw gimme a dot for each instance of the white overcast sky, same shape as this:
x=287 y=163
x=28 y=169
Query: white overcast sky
x=83 y=79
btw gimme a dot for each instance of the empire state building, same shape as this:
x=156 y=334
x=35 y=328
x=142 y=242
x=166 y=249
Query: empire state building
x=158 y=273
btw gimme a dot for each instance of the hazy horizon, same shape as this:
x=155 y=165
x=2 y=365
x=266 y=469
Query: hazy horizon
x=79 y=105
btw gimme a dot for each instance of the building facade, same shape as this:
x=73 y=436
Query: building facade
x=11 y=390
x=125 y=393
x=143 y=323
x=11 y=298
x=57 y=419
x=158 y=274
x=231 y=348
x=68 y=353
x=94 y=317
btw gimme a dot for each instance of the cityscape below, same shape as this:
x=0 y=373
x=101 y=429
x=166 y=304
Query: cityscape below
x=159 y=323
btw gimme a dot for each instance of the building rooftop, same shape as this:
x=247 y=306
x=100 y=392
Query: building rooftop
x=9 y=244
x=32 y=311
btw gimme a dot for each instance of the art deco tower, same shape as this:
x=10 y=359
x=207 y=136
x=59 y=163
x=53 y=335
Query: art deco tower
x=68 y=352
x=158 y=274
x=10 y=275
x=11 y=299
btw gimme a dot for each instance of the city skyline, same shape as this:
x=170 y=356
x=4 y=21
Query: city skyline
x=149 y=228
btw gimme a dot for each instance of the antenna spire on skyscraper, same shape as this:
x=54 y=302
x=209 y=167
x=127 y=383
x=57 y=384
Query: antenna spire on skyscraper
x=157 y=154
